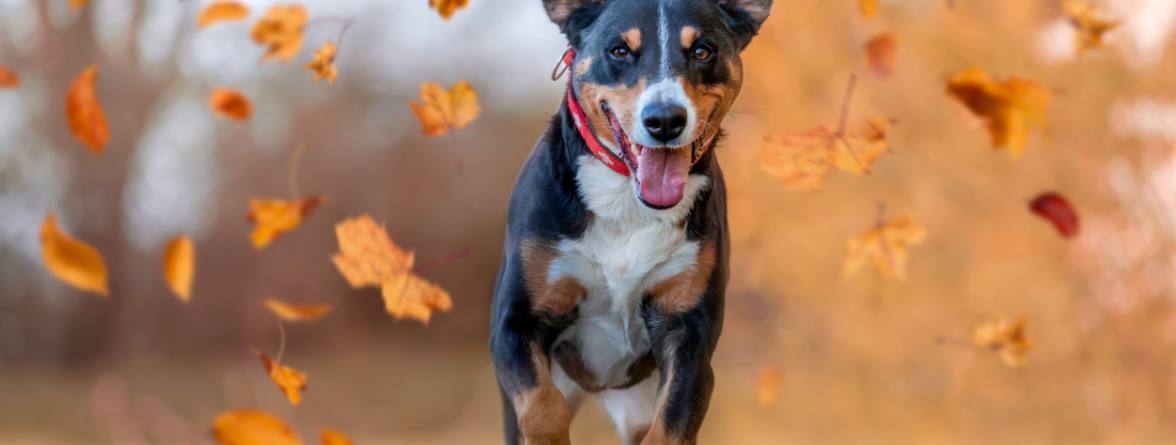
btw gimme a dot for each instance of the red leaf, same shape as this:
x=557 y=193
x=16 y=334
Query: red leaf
x=1058 y=210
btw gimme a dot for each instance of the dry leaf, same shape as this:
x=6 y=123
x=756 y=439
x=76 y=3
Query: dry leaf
x=281 y=30
x=275 y=217
x=324 y=63
x=1007 y=339
x=767 y=385
x=1011 y=108
x=77 y=4
x=289 y=380
x=296 y=312
x=179 y=266
x=332 y=437
x=881 y=51
x=1057 y=210
x=442 y=109
x=367 y=257
x=1089 y=29
x=70 y=260
x=226 y=11
x=869 y=8
x=802 y=159
x=230 y=103
x=8 y=78
x=86 y=119
x=447 y=7
x=884 y=246
x=252 y=427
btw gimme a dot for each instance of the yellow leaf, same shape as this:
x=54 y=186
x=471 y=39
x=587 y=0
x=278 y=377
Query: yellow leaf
x=230 y=103
x=296 y=312
x=8 y=78
x=441 y=110
x=179 y=266
x=281 y=30
x=86 y=119
x=324 y=63
x=447 y=7
x=332 y=437
x=869 y=8
x=802 y=159
x=767 y=386
x=275 y=217
x=1089 y=29
x=884 y=246
x=225 y=11
x=881 y=52
x=1007 y=339
x=1011 y=109
x=252 y=427
x=367 y=257
x=70 y=260
x=287 y=379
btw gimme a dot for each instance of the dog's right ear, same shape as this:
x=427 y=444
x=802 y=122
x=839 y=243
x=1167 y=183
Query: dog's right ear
x=572 y=16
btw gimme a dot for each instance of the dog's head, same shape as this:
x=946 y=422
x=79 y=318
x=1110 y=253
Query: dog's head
x=656 y=78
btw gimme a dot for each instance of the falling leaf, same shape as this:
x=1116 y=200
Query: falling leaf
x=869 y=8
x=77 y=4
x=367 y=257
x=252 y=427
x=227 y=11
x=801 y=160
x=179 y=266
x=442 y=109
x=324 y=63
x=8 y=78
x=281 y=30
x=881 y=51
x=70 y=260
x=290 y=381
x=275 y=217
x=86 y=119
x=884 y=246
x=230 y=103
x=332 y=437
x=296 y=312
x=1011 y=108
x=1089 y=28
x=1057 y=210
x=1007 y=339
x=767 y=385
x=447 y=7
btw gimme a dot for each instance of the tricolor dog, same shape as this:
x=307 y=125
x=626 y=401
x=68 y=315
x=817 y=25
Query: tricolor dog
x=615 y=263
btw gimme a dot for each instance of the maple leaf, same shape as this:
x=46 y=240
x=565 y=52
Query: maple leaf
x=1057 y=209
x=70 y=260
x=86 y=119
x=179 y=266
x=252 y=427
x=287 y=379
x=8 y=78
x=281 y=30
x=447 y=7
x=1007 y=339
x=1089 y=29
x=802 y=159
x=275 y=217
x=230 y=103
x=1011 y=108
x=881 y=51
x=868 y=8
x=324 y=63
x=767 y=385
x=442 y=110
x=296 y=312
x=332 y=437
x=367 y=257
x=884 y=246
x=224 y=11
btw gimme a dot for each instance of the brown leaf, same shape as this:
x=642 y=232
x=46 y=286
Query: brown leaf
x=252 y=427
x=297 y=312
x=1011 y=108
x=230 y=103
x=332 y=437
x=179 y=266
x=86 y=119
x=223 y=11
x=801 y=160
x=1089 y=29
x=447 y=7
x=291 y=382
x=884 y=246
x=275 y=217
x=767 y=385
x=70 y=260
x=8 y=78
x=1057 y=210
x=324 y=63
x=1007 y=339
x=881 y=51
x=281 y=30
x=442 y=110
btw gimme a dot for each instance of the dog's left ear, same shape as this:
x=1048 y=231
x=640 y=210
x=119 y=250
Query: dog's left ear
x=572 y=16
x=746 y=16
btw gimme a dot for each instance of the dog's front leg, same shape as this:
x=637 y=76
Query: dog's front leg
x=683 y=343
x=524 y=371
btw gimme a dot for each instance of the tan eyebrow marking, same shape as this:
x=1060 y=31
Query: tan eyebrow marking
x=632 y=38
x=689 y=35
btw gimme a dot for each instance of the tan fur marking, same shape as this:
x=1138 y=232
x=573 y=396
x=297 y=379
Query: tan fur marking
x=711 y=104
x=543 y=415
x=683 y=291
x=549 y=298
x=689 y=35
x=632 y=38
x=620 y=99
x=583 y=65
x=657 y=432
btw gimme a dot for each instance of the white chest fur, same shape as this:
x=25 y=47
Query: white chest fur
x=626 y=250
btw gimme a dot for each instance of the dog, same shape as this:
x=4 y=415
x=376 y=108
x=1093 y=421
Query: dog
x=615 y=260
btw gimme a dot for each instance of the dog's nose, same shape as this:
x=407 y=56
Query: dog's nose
x=664 y=122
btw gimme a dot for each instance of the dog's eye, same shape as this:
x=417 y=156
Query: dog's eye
x=700 y=53
x=620 y=52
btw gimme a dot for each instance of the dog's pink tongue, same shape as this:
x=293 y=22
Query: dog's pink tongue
x=662 y=175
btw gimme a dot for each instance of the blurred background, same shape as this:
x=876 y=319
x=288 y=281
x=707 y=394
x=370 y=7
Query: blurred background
x=857 y=358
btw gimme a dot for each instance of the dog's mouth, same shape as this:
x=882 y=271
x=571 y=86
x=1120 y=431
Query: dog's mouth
x=661 y=172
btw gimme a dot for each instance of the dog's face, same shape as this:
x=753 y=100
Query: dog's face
x=656 y=78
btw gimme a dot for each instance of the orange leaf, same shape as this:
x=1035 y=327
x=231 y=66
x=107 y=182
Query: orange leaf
x=296 y=312
x=230 y=103
x=275 y=217
x=442 y=110
x=1011 y=108
x=252 y=427
x=1007 y=339
x=70 y=260
x=1089 y=29
x=884 y=246
x=289 y=380
x=881 y=51
x=8 y=78
x=224 y=11
x=86 y=119
x=367 y=257
x=77 y=4
x=767 y=386
x=869 y=8
x=332 y=437
x=447 y=7
x=801 y=160
x=281 y=30
x=179 y=266
x=324 y=63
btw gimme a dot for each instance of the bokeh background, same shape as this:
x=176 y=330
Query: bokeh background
x=858 y=358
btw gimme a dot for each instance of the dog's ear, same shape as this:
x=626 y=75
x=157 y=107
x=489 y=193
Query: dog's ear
x=561 y=10
x=746 y=16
